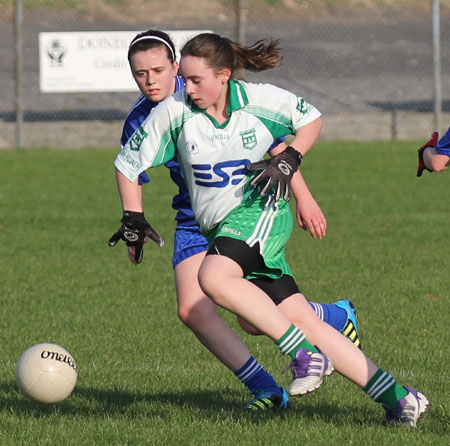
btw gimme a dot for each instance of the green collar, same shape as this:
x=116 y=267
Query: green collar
x=237 y=100
x=237 y=95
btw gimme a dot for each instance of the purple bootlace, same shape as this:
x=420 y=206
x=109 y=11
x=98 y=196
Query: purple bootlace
x=396 y=413
x=302 y=366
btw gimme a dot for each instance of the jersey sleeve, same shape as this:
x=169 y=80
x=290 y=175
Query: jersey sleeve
x=150 y=145
x=283 y=112
x=443 y=146
x=297 y=108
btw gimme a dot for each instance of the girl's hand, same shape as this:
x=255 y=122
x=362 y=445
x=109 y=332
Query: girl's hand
x=311 y=218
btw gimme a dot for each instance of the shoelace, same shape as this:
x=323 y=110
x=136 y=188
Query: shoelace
x=400 y=412
x=300 y=367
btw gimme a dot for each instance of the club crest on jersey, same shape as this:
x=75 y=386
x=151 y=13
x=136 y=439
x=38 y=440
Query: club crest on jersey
x=249 y=140
x=136 y=140
x=191 y=147
x=302 y=106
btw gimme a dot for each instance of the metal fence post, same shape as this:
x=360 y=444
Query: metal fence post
x=241 y=14
x=18 y=65
x=437 y=87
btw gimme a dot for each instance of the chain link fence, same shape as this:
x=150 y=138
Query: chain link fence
x=366 y=64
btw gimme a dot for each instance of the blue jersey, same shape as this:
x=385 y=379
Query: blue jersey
x=136 y=116
x=443 y=146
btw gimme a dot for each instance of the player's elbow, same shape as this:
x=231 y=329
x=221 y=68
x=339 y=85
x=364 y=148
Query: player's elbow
x=439 y=162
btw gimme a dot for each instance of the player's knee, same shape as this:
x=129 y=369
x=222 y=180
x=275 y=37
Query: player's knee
x=187 y=316
x=197 y=315
x=208 y=280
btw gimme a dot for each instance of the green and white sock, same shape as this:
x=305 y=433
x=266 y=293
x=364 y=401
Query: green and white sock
x=292 y=341
x=383 y=388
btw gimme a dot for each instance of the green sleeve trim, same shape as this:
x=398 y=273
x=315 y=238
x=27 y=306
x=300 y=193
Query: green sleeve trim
x=278 y=124
x=168 y=142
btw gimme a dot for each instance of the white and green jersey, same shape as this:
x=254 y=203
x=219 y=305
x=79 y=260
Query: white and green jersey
x=214 y=157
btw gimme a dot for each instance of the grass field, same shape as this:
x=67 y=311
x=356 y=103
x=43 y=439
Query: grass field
x=143 y=378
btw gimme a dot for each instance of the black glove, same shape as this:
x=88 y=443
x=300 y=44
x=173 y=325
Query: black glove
x=431 y=143
x=278 y=170
x=135 y=228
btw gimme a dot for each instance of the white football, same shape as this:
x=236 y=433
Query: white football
x=46 y=373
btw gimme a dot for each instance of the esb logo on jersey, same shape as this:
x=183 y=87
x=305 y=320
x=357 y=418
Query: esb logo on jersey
x=221 y=174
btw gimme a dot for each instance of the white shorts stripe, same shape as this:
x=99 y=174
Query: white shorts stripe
x=264 y=225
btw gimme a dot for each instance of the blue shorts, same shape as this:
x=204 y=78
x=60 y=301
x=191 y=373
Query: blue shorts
x=188 y=241
x=443 y=146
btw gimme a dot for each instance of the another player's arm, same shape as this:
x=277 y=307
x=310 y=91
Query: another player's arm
x=135 y=229
x=435 y=161
x=130 y=193
x=430 y=157
x=143 y=150
x=309 y=215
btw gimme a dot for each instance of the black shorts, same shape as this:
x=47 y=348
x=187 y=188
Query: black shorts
x=250 y=260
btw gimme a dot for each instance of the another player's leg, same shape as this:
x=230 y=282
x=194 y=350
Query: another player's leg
x=350 y=328
x=341 y=315
x=199 y=313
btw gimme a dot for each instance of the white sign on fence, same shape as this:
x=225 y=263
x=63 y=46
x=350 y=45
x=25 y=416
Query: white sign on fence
x=72 y=62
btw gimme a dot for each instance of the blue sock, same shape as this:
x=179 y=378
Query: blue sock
x=253 y=375
x=331 y=314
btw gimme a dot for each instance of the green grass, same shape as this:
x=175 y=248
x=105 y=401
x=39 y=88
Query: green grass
x=144 y=379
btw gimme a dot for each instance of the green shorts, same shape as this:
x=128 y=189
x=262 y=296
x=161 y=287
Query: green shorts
x=260 y=220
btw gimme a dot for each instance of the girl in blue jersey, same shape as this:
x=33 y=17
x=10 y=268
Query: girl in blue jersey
x=212 y=96
x=434 y=155
x=153 y=64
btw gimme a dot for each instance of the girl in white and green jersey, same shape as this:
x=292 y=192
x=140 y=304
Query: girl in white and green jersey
x=216 y=128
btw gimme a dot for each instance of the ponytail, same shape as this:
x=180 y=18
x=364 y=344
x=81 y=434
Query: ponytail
x=221 y=52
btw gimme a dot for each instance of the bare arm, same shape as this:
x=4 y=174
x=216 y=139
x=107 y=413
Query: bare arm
x=281 y=168
x=435 y=161
x=130 y=193
x=309 y=215
x=131 y=197
x=306 y=136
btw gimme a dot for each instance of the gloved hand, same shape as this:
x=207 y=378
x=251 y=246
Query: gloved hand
x=431 y=143
x=277 y=170
x=134 y=231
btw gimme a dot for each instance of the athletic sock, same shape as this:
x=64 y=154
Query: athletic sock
x=253 y=375
x=383 y=388
x=331 y=314
x=292 y=341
